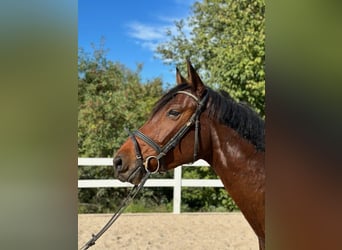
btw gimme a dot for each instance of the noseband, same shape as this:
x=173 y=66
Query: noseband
x=173 y=142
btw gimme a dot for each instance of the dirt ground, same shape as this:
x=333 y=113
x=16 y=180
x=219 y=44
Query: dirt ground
x=169 y=231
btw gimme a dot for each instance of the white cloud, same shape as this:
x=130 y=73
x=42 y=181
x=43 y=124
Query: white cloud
x=149 y=36
x=145 y=32
x=150 y=45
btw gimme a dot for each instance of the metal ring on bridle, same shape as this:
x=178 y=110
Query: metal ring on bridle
x=146 y=164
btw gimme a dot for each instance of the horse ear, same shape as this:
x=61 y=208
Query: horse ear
x=179 y=78
x=194 y=79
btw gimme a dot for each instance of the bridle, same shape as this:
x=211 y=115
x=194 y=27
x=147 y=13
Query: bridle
x=162 y=151
x=173 y=142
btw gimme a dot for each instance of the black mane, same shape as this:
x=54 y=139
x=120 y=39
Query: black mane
x=223 y=108
x=238 y=116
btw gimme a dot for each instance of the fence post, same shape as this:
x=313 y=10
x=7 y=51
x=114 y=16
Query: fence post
x=177 y=190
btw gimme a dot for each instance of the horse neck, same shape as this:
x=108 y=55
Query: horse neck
x=242 y=171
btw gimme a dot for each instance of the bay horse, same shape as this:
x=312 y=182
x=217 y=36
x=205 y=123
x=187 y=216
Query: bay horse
x=192 y=121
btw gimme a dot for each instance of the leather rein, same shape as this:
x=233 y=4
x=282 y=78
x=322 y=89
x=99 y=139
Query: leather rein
x=161 y=151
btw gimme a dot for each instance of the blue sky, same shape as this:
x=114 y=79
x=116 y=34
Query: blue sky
x=132 y=29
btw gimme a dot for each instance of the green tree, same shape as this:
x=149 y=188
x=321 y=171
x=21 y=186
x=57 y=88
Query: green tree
x=110 y=97
x=204 y=199
x=227 y=44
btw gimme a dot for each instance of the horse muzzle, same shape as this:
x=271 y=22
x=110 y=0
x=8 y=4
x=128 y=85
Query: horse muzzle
x=134 y=172
x=126 y=172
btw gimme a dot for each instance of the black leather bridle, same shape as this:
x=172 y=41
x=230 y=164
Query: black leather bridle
x=173 y=142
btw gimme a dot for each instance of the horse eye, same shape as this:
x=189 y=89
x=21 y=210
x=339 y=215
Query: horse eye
x=173 y=113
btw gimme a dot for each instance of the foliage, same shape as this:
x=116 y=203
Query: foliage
x=152 y=201
x=227 y=43
x=110 y=97
x=205 y=199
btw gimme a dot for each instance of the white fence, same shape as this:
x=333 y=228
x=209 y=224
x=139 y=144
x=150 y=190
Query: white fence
x=177 y=182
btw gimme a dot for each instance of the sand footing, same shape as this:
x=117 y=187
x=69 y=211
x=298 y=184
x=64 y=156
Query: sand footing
x=169 y=231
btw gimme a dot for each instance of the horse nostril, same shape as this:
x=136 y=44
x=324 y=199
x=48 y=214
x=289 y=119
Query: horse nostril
x=117 y=163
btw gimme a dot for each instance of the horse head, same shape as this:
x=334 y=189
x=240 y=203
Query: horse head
x=169 y=138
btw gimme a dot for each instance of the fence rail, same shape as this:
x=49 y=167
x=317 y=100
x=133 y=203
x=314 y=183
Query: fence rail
x=176 y=182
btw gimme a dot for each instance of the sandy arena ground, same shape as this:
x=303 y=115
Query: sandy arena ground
x=169 y=231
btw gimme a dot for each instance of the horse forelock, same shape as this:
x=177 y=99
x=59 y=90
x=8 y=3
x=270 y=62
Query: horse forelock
x=168 y=96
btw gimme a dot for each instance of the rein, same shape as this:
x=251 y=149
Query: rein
x=162 y=151
x=134 y=191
